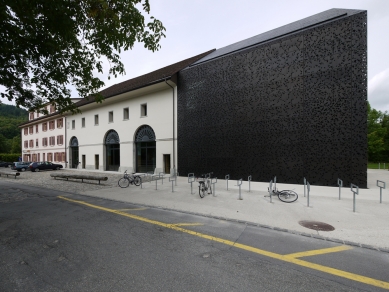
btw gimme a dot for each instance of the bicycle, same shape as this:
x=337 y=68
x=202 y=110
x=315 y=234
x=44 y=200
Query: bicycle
x=204 y=184
x=286 y=196
x=128 y=179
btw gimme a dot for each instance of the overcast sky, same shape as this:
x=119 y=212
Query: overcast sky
x=196 y=26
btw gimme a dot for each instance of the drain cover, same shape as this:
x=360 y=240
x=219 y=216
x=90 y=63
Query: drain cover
x=315 y=225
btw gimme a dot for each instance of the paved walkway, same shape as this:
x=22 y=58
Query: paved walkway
x=368 y=226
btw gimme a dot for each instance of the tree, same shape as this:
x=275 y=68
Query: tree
x=48 y=45
x=16 y=145
x=377 y=134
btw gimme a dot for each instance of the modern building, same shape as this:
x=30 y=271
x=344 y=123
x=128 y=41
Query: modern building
x=290 y=103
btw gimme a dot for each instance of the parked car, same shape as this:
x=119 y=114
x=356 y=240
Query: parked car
x=20 y=166
x=5 y=164
x=44 y=165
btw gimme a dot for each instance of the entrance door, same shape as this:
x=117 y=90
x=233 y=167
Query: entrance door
x=112 y=151
x=145 y=149
x=145 y=158
x=73 y=153
x=97 y=161
x=83 y=161
x=166 y=163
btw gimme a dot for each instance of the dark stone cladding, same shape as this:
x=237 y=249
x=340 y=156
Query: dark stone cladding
x=293 y=106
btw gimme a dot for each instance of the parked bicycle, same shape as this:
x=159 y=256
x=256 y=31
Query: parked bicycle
x=204 y=184
x=128 y=179
x=287 y=196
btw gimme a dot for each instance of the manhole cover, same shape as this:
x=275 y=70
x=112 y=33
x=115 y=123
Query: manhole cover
x=315 y=225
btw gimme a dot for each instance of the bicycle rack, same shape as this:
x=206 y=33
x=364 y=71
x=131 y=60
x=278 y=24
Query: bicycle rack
x=191 y=179
x=249 y=180
x=141 y=179
x=275 y=183
x=214 y=188
x=172 y=179
x=340 y=184
x=382 y=186
x=308 y=188
x=239 y=185
x=227 y=178
x=270 y=190
x=355 y=190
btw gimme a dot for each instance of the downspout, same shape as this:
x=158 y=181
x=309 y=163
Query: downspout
x=66 y=141
x=174 y=147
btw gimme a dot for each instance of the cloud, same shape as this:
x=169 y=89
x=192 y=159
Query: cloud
x=378 y=93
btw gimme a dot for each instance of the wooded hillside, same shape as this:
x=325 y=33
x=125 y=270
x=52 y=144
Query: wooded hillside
x=10 y=118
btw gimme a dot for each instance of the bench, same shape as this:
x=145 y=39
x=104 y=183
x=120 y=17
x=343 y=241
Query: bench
x=79 y=176
x=15 y=174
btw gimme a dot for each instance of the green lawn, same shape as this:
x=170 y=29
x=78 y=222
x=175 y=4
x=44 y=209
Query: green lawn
x=373 y=165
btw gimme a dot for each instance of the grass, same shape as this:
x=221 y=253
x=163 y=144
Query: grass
x=373 y=165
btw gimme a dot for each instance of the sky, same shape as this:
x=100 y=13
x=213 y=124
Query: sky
x=196 y=26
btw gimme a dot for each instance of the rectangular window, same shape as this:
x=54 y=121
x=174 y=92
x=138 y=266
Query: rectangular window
x=44 y=156
x=143 y=110
x=36 y=143
x=31 y=116
x=96 y=120
x=26 y=144
x=59 y=123
x=39 y=156
x=25 y=131
x=44 y=127
x=50 y=157
x=52 y=125
x=83 y=122
x=36 y=129
x=126 y=114
x=110 y=117
x=52 y=108
x=63 y=156
x=73 y=124
x=44 y=142
x=52 y=141
x=31 y=143
x=31 y=129
x=60 y=140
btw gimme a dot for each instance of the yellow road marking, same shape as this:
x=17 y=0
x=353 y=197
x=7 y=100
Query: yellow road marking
x=135 y=209
x=187 y=224
x=285 y=258
x=318 y=251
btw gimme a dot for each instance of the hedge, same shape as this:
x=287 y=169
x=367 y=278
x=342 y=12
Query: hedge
x=9 y=157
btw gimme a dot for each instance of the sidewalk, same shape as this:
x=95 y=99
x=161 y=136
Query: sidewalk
x=368 y=226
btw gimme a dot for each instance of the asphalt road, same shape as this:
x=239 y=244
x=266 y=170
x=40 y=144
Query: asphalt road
x=53 y=241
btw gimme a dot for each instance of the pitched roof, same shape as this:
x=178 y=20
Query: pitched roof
x=328 y=15
x=145 y=80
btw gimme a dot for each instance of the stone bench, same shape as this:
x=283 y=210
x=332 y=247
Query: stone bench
x=15 y=174
x=79 y=176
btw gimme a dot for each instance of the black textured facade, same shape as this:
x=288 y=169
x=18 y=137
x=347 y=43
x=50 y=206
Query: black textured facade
x=292 y=107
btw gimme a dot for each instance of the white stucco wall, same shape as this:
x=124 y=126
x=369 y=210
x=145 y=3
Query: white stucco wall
x=91 y=138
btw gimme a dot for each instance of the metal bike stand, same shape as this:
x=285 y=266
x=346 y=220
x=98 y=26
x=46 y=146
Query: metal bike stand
x=308 y=189
x=340 y=184
x=355 y=190
x=191 y=179
x=141 y=180
x=249 y=180
x=227 y=178
x=214 y=187
x=156 y=182
x=270 y=190
x=381 y=185
x=239 y=183
x=172 y=179
x=275 y=183
x=161 y=176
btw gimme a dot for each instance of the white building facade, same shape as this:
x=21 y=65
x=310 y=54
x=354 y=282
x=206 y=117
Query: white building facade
x=43 y=137
x=132 y=131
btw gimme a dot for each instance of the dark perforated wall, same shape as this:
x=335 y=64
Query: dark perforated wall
x=293 y=107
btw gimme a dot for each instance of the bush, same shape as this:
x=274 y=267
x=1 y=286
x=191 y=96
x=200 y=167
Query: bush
x=9 y=157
